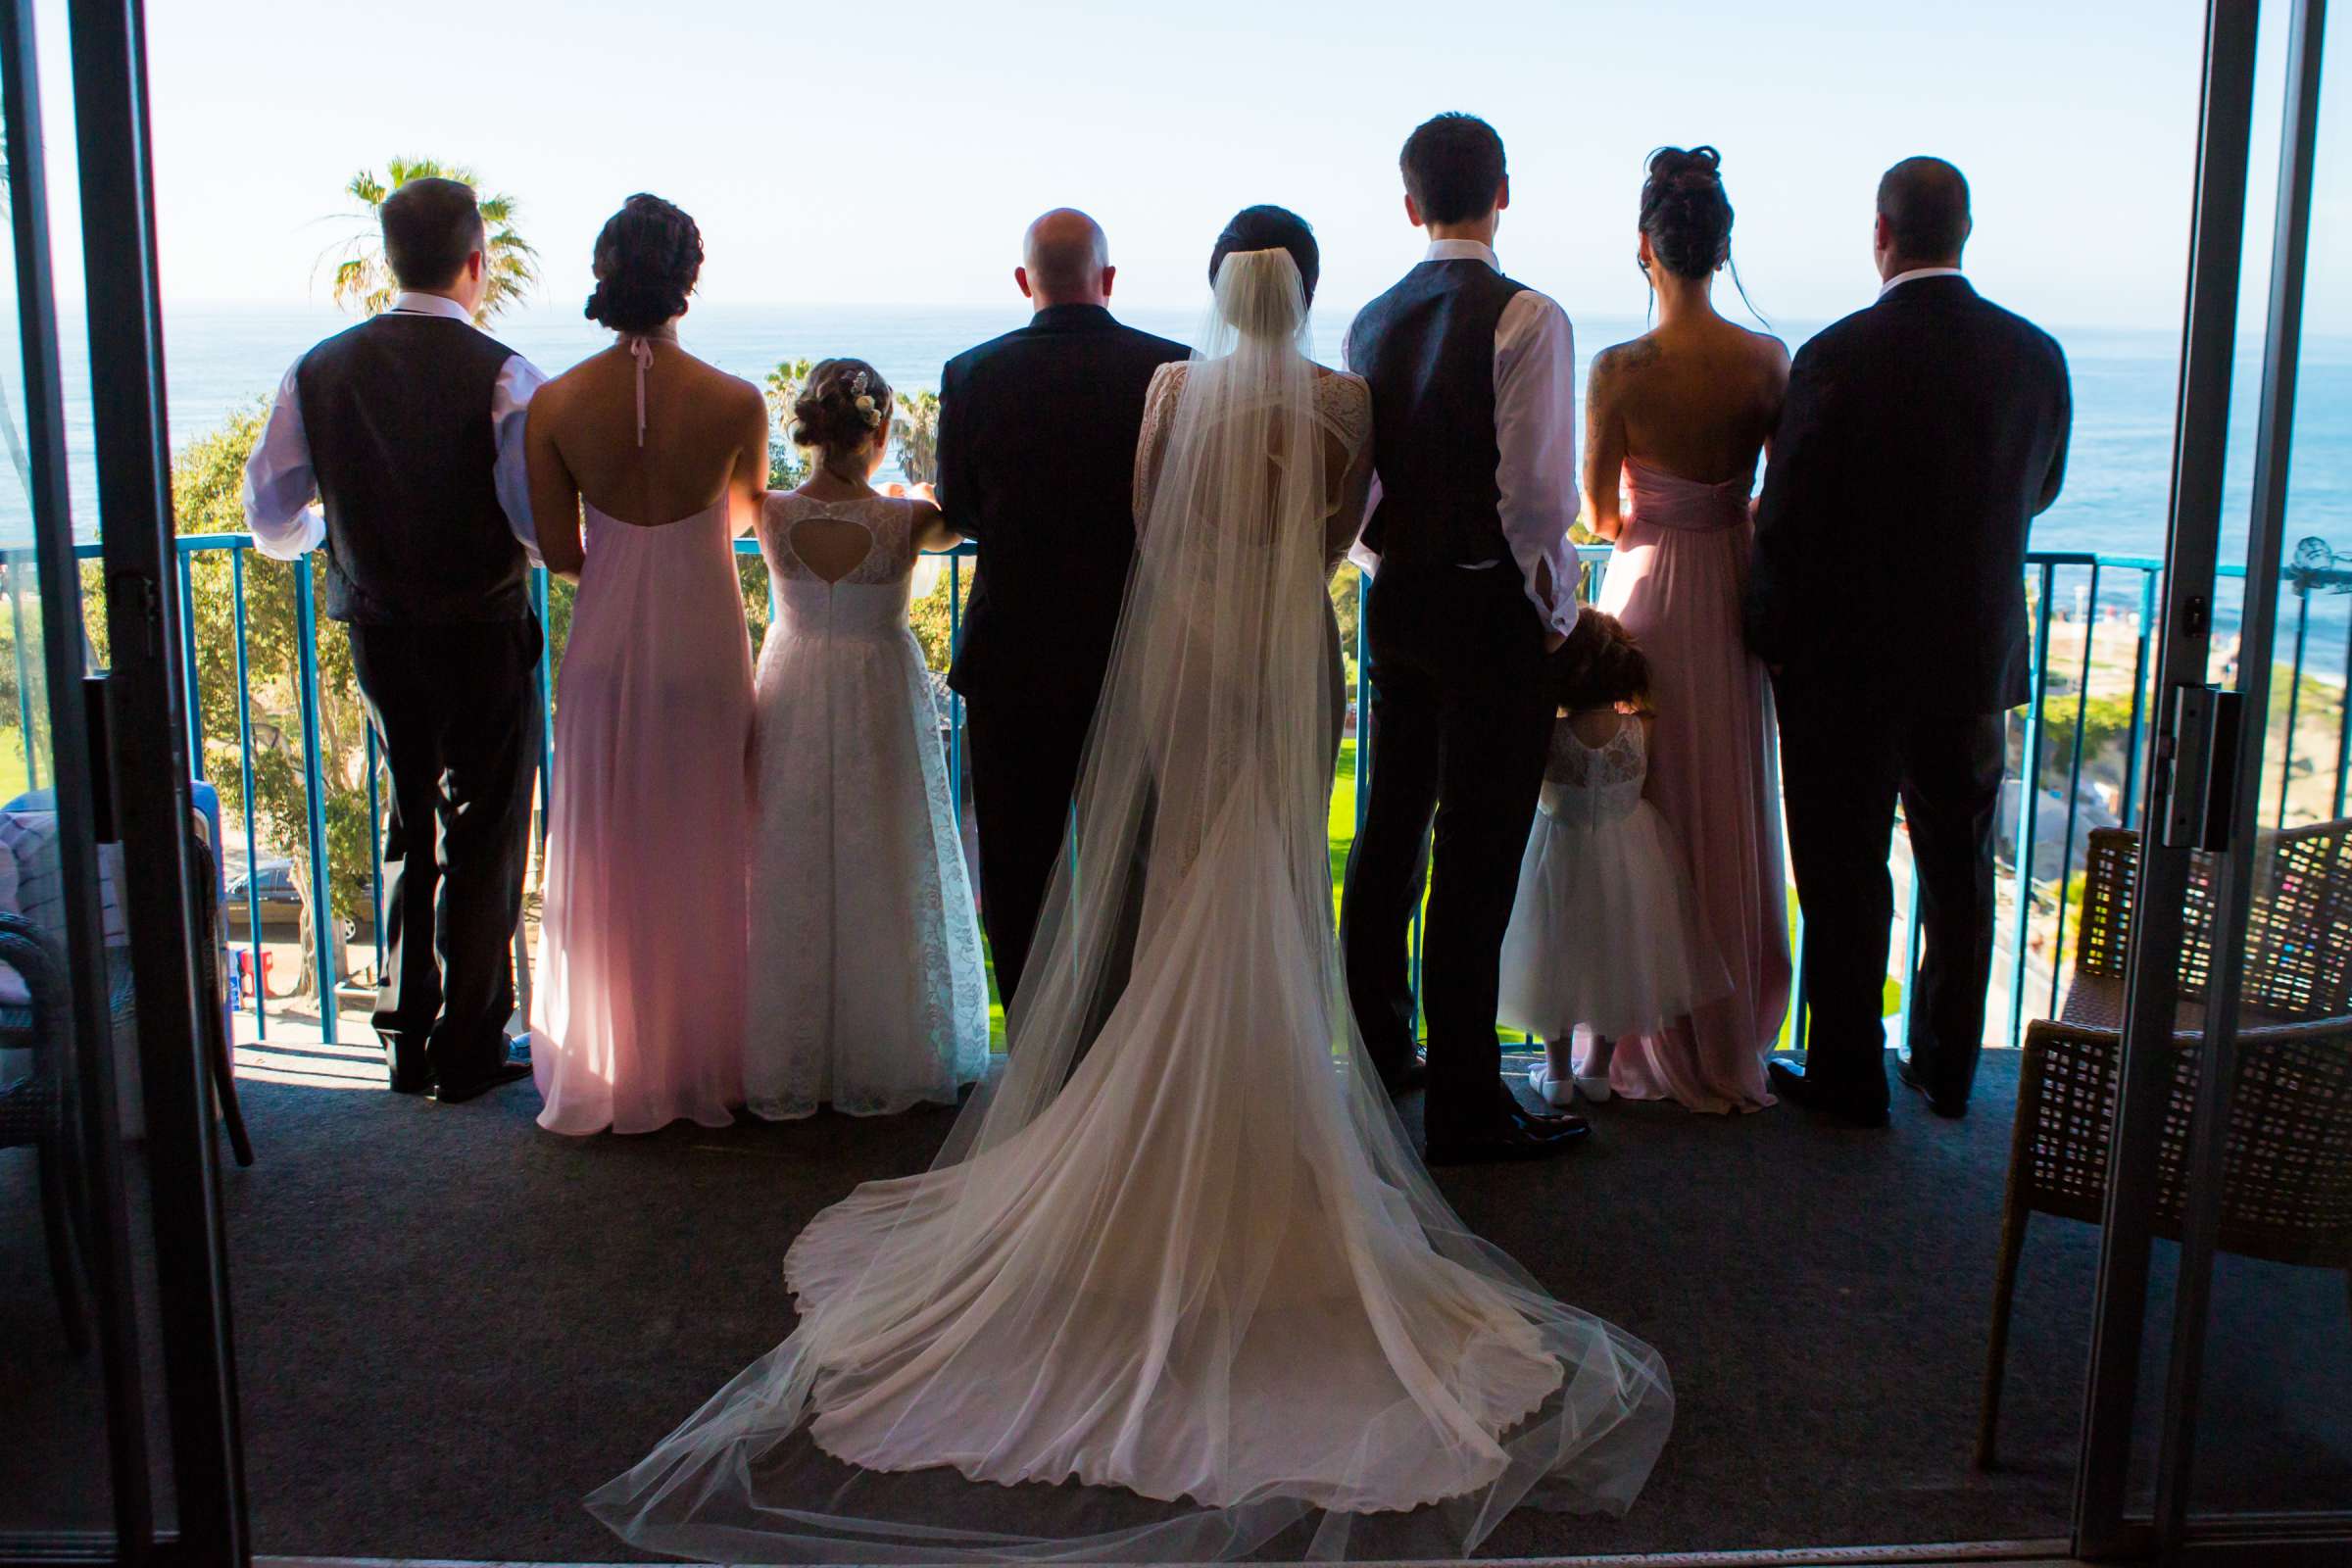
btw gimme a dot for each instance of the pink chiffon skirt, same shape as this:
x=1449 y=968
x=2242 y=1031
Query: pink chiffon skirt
x=1675 y=580
x=638 y=1016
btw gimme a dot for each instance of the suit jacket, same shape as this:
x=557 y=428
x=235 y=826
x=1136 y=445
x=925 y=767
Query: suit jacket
x=1037 y=437
x=1920 y=439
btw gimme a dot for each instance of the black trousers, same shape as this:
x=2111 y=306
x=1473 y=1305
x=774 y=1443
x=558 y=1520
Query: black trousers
x=1845 y=761
x=456 y=711
x=1023 y=754
x=1460 y=725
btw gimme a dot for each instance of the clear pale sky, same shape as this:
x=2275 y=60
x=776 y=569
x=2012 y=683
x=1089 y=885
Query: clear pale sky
x=894 y=152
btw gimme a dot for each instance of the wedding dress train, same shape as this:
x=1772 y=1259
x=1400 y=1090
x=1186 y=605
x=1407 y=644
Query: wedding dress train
x=1193 y=1260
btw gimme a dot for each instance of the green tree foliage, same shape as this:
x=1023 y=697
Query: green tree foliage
x=363 y=279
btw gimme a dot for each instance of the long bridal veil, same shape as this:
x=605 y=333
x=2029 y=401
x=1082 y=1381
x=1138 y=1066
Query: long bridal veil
x=1180 y=1255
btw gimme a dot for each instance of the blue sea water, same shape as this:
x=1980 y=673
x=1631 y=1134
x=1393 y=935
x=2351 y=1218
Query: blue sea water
x=221 y=358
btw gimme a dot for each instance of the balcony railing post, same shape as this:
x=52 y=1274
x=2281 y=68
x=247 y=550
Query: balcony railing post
x=2139 y=695
x=15 y=620
x=2294 y=696
x=955 y=697
x=2074 y=784
x=547 y=708
x=2028 y=803
x=184 y=564
x=2343 y=729
x=313 y=784
x=253 y=848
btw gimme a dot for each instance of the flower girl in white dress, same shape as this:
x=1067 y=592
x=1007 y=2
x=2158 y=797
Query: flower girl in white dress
x=1605 y=931
x=866 y=987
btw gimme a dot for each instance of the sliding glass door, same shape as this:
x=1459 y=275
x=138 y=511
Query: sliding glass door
x=2221 y=1400
x=117 y=1402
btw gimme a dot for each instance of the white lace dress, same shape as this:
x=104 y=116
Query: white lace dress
x=1605 y=931
x=866 y=990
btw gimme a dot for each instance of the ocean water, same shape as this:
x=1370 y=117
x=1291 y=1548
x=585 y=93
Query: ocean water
x=222 y=358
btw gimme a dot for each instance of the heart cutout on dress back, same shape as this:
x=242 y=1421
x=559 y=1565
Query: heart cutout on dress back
x=831 y=547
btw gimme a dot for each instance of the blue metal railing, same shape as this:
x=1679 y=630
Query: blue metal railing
x=2110 y=632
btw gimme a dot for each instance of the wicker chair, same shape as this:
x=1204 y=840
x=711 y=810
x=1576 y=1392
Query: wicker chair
x=2287 y=1192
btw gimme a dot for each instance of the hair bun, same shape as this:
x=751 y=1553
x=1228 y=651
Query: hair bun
x=1687 y=163
x=648 y=258
x=1685 y=211
x=841 y=406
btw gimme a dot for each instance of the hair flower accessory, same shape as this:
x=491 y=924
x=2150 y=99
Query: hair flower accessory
x=864 y=403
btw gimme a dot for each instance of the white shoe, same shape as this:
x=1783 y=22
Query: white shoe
x=1596 y=1090
x=1557 y=1092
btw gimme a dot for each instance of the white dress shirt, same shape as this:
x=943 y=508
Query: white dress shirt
x=281 y=489
x=1535 y=435
x=1900 y=278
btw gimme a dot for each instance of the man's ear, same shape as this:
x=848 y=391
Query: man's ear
x=1412 y=211
x=1108 y=274
x=1502 y=194
x=1020 y=276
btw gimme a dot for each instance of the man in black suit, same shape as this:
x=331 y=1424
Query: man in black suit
x=1036 y=435
x=1920 y=439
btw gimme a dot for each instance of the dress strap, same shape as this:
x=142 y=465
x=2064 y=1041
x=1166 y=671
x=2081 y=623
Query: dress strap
x=641 y=350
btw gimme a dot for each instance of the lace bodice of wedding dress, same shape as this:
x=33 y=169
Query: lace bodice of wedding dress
x=1343 y=404
x=1590 y=786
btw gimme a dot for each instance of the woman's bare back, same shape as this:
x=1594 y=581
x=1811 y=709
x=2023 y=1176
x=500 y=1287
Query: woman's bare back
x=697 y=420
x=1697 y=400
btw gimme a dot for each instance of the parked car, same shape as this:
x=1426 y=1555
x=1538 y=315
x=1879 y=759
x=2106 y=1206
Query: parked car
x=282 y=905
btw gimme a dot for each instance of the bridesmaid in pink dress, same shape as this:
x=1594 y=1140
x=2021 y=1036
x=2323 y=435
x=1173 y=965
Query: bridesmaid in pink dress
x=638 y=1019
x=1684 y=412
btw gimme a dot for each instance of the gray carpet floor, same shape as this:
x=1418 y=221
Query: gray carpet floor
x=451 y=1325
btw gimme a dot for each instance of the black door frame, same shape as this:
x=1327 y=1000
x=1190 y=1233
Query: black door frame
x=2203 y=788
x=133 y=761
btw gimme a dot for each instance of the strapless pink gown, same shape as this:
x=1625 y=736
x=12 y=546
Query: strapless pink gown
x=1675 y=580
x=639 y=1012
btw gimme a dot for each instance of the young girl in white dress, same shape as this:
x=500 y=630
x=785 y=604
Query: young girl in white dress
x=1605 y=931
x=866 y=987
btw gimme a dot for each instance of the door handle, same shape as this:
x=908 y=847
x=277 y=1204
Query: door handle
x=2199 y=776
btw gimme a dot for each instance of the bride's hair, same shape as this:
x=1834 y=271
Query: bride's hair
x=1685 y=211
x=1600 y=666
x=647 y=257
x=1265 y=228
x=841 y=406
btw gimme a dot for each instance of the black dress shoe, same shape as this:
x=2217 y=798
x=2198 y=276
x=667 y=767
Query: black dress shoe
x=457 y=1093
x=1945 y=1109
x=1789 y=1082
x=1511 y=1142
x=1415 y=1074
x=409 y=1071
x=1547 y=1120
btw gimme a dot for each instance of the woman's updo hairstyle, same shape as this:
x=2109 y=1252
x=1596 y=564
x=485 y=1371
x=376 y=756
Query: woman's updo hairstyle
x=841 y=406
x=1600 y=665
x=1685 y=211
x=647 y=257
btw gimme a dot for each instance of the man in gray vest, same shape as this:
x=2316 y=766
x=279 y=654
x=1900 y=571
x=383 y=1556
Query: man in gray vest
x=1474 y=450
x=408 y=430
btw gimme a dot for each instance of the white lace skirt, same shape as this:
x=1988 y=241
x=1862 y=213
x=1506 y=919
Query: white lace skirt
x=1605 y=931
x=868 y=992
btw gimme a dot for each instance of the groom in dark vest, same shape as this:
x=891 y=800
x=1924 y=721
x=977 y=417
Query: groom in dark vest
x=1474 y=448
x=1037 y=434
x=408 y=429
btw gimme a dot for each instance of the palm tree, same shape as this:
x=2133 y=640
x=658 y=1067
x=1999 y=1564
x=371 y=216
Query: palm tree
x=362 y=279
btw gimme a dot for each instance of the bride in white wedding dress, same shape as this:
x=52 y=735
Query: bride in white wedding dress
x=1196 y=1260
